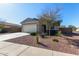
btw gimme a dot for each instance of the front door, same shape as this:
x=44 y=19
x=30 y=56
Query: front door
x=44 y=28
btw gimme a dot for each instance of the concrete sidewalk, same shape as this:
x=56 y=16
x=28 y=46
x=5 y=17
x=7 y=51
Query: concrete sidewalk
x=12 y=49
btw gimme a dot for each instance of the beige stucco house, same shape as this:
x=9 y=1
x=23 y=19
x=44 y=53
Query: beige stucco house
x=9 y=27
x=31 y=25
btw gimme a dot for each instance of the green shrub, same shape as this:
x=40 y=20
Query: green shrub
x=56 y=40
x=33 y=34
x=58 y=33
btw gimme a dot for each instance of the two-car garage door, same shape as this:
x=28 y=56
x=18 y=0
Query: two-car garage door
x=29 y=28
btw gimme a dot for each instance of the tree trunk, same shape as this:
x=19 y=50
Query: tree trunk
x=37 y=36
x=49 y=31
x=37 y=39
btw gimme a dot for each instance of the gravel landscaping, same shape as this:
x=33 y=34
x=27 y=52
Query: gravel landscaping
x=67 y=44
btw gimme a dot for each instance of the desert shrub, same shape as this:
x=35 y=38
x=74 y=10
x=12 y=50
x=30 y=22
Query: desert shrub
x=55 y=40
x=58 y=33
x=33 y=33
x=3 y=31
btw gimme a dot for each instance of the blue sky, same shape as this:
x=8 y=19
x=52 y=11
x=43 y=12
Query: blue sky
x=15 y=13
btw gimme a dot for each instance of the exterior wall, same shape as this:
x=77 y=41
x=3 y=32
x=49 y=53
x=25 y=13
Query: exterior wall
x=29 y=28
x=66 y=30
x=10 y=29
x=13 y=29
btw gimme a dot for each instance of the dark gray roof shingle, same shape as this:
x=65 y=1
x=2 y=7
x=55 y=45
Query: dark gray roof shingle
x=29 y=20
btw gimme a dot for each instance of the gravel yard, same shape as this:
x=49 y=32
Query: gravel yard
x=21 y=44
x=66 y=44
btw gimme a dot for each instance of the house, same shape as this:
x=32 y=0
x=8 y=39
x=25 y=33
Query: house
x=66 y=30
x=10 y=27
x=31 y=25
x=77 y=29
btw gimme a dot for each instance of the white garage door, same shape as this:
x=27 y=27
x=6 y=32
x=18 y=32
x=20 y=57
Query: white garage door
x=29 y=28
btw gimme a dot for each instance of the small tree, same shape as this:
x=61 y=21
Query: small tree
x=1 y=27
x=51 y=18
x=73 y=27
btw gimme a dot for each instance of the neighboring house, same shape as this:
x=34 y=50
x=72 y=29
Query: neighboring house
x=66 y=30
x=9 y=27
x=33 y=25
x=77 y=29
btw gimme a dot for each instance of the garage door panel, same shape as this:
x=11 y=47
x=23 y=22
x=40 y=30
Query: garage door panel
x=29 y=28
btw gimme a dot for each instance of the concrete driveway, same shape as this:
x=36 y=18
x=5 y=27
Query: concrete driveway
x=12 y=35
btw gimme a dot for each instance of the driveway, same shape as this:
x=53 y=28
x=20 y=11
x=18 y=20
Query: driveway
x=12 y=35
